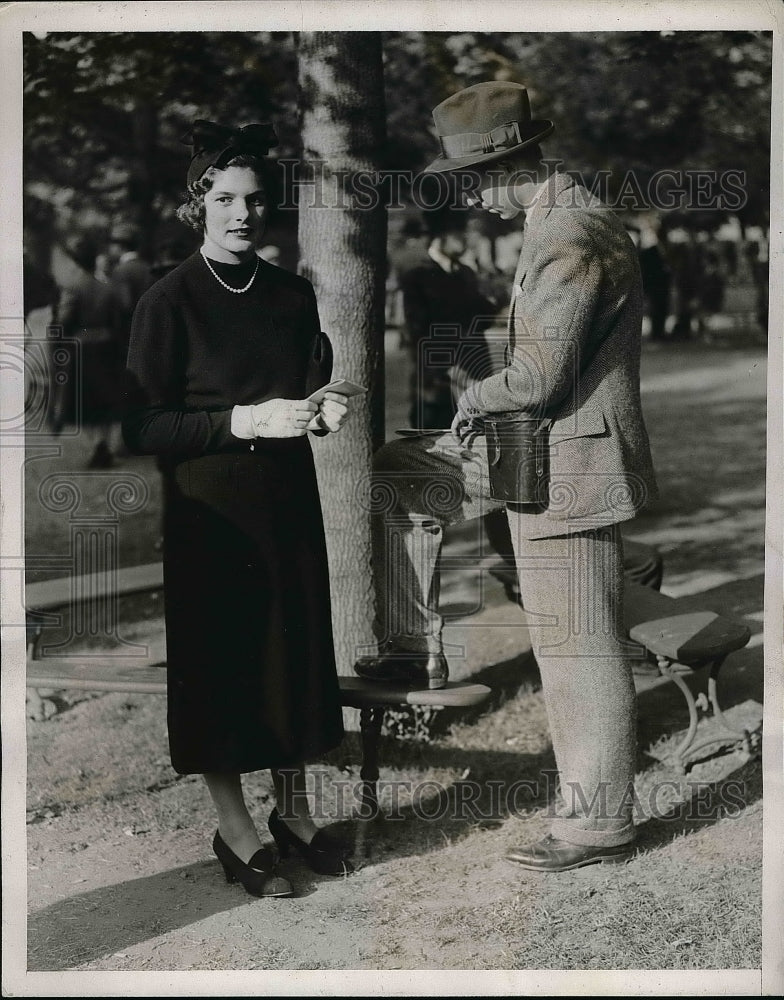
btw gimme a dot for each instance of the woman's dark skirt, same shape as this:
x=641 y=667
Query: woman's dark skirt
x=251 y=668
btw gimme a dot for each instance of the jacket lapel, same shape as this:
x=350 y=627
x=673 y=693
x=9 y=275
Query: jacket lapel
x=557 y=184
x=522 y=265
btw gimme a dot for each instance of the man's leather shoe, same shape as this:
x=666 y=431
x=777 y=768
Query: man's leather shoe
x=418 y=668
x=552 y=855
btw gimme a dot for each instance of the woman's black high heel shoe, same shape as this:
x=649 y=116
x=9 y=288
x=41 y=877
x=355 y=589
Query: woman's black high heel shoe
x=322 y=855
x=257 y=876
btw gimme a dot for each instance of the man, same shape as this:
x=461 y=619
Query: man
x=446 y=316
x=130 y=277
x=655 y=276
x=406 y=252
x=573 y=361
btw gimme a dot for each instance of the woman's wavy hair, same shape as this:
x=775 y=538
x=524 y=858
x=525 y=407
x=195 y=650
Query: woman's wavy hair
x=192 y=212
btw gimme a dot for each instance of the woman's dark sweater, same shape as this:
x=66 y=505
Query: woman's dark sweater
x=197 y=350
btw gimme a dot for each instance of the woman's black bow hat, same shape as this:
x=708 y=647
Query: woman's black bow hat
x=214 y=145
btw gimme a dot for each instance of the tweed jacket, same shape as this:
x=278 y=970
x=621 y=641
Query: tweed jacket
x=573 y=357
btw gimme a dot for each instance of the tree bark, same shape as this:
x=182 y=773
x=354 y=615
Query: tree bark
x=342 y=248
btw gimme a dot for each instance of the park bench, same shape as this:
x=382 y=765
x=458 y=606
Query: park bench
x=681 y=642
x=678 y=642
x=145 y=672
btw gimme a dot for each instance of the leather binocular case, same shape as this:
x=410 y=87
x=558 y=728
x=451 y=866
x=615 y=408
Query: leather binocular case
x=517 y=455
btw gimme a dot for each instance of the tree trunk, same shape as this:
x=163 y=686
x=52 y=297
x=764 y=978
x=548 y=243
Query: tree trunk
x=343 y=252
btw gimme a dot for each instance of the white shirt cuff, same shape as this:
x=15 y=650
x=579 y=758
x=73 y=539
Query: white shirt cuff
x=242 y=423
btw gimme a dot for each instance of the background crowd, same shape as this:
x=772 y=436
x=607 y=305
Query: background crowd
x=86 y=288
x=686 y=271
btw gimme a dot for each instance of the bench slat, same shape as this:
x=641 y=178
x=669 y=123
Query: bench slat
x=62 y=590
x=147 y=676
x=695 y=637
x=91 y=674
x=692 y=639
x=643 y=603
x=356 y=692
x=651 y=618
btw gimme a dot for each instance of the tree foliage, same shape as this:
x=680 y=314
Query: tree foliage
x=104 y=111
x=622 y=102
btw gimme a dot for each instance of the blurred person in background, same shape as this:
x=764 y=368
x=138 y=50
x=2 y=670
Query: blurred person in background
x=405 y=253
x=757 y=256
x=130 y=276
x=39 y=288
x=656 y=275
x=90 y=312
x=103 y=266
x=711 y=291
x=479 y=249
x=446 y=316
x=493 y=282
x=39 y=292
x=170 y=254
x=270 y=253
x=685 y=256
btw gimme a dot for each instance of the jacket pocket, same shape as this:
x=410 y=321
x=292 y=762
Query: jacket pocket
x=579 y=424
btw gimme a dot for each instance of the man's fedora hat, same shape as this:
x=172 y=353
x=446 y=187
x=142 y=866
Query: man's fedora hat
x=485 y=123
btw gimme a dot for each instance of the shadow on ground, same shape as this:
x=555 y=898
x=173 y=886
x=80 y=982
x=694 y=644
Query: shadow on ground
x=97 y=923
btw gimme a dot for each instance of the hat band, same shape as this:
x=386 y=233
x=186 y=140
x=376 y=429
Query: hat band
x=502 y=137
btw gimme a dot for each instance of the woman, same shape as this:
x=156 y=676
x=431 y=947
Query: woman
x=224 y=349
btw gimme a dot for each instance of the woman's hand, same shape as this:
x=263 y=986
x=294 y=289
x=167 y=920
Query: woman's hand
x=332 y=414
x=282 y=418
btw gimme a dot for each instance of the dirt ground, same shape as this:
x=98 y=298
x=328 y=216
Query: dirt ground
x=121 y=875
x=120 y=870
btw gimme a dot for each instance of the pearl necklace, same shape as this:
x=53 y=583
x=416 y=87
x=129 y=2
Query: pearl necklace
x=236 y=291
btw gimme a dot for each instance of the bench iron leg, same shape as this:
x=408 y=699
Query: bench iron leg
x=726 y=733
x=682 y=750
x=370 y=722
